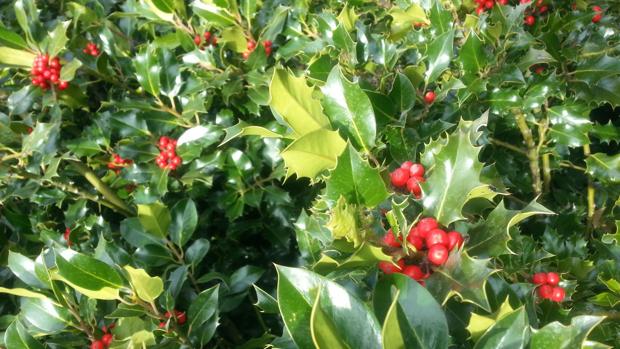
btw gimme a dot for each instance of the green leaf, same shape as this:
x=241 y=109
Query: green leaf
x=213 y=13
x=489 y=238
x=341 y=314
x=349 y=109
x=344 y=222
x=147 y=288
x=603 y=167
x=404 y=327
x=535 y=56
x=313 y=153
x=557 y=336
x=155 y=218
x=439 y=55
x=234 y=37
x=243 y=129
x=441 y=19
x=22 y=292
x=184 y=221
x=512 y=331
x=57 y=39
x=455 y=175
x=403 y=20
x=472 y=56
x=204 y=308
x=166 y=6
x=85 y=273
x=571 y=124
x=17 y=337
x=265 y=302
x=606 y=133
x=148 y=70
x=403 y=93
x=23 y=268
x=12 y=40
x=292 y=99
x=355 y=180
x=464 y=276
x=365 y=255
x=593 y=70
x=68 y=70
x=14 y=57
x=45 y=315
x=479 y=324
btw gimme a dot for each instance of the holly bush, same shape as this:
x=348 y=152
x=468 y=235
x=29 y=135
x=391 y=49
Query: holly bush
x=299 y=174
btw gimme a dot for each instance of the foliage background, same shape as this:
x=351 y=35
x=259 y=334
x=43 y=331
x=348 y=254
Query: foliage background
x=265 y=177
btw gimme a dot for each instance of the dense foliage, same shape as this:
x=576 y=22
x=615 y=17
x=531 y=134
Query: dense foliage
x=300 y=174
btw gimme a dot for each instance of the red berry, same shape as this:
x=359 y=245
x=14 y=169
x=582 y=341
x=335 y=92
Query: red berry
x=197 y=39
x=245 y=55
x=267 y=43
x=62 y=85
x=503 y=2
x=170 y=154
x=54 y=78
x=267 y=51
x=557 y=294
x=553 y=278
x=97 y=345
x=67 y=234
x=406 y=165
x=597 y=8
x=429 y=97
x=539 y=69
x=414 y=272
x=455 y=239
x=175 y=161
x=87 y=51
x=162 y=324
x=389 y=268
x=171 y=147
x=47 y=74
x=436 y=236
x=413 y=186
x=479 y=10
x=181 y=317
x=111 y=165
x=539 y=278
x=489 y=4
x=425 y=225
x=416 y=241
x=390 y=240
x=545 y=291
x=597 y=18
x=163 y=141
x=207 y=36
x=251 y=45
x=29 y=130
x=416 y=170
x=438 y=254
x=214 y=40
x=399 y=177
x=167 y=314
x=55 y=63
x=543 y=9
x=530 y=20
x=107 y=339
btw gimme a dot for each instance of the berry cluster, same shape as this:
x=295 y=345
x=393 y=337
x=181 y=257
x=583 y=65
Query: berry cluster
x=426 y=237
x=484 y=5
x=540 y=9
x=91 y=49
x=267 y=44
x=409 y=175
x=179 y=316
x=67 y=236
x=106 y=339
x=117 y=163
x=46 y=72
x=598 y=14
x=168 y=157
x=548 y=286
x=429 y=97
x=210 y=39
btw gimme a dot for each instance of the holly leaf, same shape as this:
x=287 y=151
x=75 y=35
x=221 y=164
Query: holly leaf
x=571 y=125
x=464 y=276
x=147 y=287
x=479 y=324
x=511 y=331
x=489 y=238
x=603 y=167
x=454 y=173
x=17 y=337
x=355 y=180
x=313 y=153
x=344 y=222
x=148 y=70
x=593 y=70
x=472 y=57
x=403 y=20
x=403 y=327
x=155 y=218
x=439 y=55
x=606 y=133
x=349 y=109
x=535 y=56
x=292 y=100
x=557 y=336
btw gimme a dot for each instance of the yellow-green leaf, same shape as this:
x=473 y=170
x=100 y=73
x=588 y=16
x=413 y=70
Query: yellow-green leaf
x=313 y=153
x=147 y=287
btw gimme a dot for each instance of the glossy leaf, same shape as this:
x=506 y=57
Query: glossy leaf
x=17 y=337
x=184 y=221
x=147 y=288
x=414 y=318
x=204 y=308
x=212 y=11
x=402 y=20
x=23 y=268
x=313 y=153
x=604 y=167
x=489 y=238
x=45 y=315
x=155 y=218
x=148 y=70
x=511 y=331
x=558 y=336
x=439 y=55
x=349 y=109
